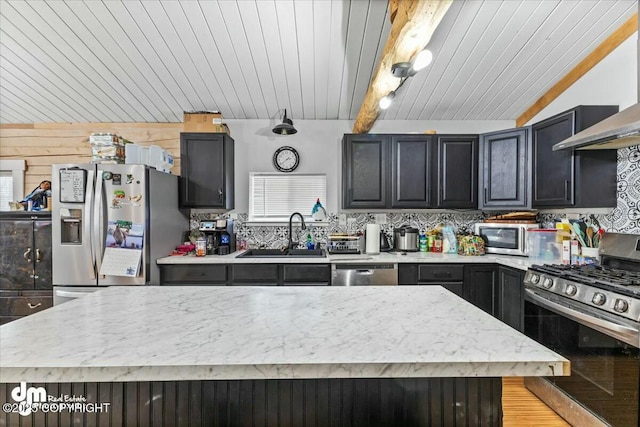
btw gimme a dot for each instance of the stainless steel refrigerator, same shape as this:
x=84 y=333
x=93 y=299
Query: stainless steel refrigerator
x=109 y=225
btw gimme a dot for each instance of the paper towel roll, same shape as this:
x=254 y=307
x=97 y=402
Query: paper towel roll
x=373 y=238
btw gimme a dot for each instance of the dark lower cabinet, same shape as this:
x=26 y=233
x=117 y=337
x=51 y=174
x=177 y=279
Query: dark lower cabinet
x=306 y=274
x=505 y=170
x=207 y=167
x=25 y=264
x=511 y=297
x=193 y=274
x=495 y=289
x=449 y=276
x=245 y=274
x=481 y=287
x=17 y=304
x=568 y=178
x=330 y=402
x=253 y=274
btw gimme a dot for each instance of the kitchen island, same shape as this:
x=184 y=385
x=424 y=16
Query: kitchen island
x=195 y=355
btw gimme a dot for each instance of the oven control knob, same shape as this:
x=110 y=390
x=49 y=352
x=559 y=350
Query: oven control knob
x=599 y=298
x=571 y=290
x=535 y=278
x=547 y=283
x=621 y=306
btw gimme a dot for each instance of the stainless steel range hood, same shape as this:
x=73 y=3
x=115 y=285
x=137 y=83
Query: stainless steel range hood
x=618 y=131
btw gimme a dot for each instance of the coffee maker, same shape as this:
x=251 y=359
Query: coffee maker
x=221 y=240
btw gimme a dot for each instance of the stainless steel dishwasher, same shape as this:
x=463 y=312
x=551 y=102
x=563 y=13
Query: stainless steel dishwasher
x=384 y=274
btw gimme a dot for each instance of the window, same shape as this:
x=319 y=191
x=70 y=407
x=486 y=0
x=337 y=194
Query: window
x=11 y=182
x=275 y=196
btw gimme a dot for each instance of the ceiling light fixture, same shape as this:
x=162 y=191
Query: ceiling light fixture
x=385 y=102
x=422 y=59
x=286 y=127
x=404 y=70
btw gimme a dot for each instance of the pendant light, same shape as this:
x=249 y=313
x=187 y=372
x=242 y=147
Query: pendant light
x=286 y=127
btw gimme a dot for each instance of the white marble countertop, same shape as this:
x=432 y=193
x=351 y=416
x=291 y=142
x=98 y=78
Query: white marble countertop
x=521 y=263
x=228 y=332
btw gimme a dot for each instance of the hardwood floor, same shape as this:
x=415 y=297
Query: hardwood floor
x=521 y=408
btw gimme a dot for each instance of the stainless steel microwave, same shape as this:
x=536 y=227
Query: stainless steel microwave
x=504 y=238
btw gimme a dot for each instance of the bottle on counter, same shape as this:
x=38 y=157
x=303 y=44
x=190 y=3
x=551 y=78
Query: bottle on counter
x=201 y=246
x=310 y=243
x=422 y=243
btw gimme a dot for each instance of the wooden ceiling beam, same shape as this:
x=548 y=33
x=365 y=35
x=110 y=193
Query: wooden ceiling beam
x=413 y=24
x=629 y=27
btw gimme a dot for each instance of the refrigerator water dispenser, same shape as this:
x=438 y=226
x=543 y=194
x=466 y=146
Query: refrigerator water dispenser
x=71 y=226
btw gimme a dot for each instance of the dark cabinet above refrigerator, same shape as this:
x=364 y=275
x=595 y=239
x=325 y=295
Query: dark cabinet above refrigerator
x=207 y=171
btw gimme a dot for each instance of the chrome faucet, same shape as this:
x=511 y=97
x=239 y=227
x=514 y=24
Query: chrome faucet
x=291 y=243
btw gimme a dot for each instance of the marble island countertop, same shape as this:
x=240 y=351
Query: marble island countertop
x=198 y=333
x=518 y=262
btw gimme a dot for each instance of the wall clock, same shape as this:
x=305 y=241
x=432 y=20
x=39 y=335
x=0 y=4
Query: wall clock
x=286 y=159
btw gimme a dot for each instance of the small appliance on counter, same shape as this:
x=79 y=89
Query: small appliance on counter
x=507 y=238
x=221 y=240
x=405 y=238
x=343 y=243
x=385 y=246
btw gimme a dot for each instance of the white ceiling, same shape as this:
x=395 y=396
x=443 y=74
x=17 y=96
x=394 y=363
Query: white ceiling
x=147 y=61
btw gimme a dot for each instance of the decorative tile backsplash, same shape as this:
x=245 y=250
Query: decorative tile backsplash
x=625 y=218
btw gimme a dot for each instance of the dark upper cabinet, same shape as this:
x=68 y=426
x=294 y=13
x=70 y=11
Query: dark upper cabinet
x=504 y=170
x=457 y=171
x=408 y=171
x=411 y=157
x=572 y=178
x=26 y=251
x=207 y=170
x=365 y=172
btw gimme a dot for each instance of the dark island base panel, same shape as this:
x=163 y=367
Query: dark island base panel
x=313 y=402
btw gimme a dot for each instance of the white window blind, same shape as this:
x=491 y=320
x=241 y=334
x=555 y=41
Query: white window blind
x=11 y=182
x=274 y=197
x=6 y=189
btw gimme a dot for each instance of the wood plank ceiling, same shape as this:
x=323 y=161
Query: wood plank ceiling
x=147 y=61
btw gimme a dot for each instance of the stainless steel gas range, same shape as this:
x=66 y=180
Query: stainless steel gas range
x=591 y=315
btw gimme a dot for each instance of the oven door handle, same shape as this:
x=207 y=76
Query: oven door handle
x=623 y=333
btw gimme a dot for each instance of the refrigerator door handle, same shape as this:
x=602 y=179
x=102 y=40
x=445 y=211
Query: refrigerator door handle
x=97 y=222
x=87 y=221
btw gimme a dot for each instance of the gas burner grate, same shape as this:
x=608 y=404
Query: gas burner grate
x=593 y=274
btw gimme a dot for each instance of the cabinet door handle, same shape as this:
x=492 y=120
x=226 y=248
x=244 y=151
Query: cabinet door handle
x=485 y=195
x=442 y=274
x=38 y=257
x=32 y=306
x=220 y=199
x=27 y=255
x=566 y=190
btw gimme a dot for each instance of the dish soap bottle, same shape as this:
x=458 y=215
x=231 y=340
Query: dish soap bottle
x=310 y=243
x=318 y=212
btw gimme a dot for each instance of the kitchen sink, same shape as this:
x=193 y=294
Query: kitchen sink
x=278 y=253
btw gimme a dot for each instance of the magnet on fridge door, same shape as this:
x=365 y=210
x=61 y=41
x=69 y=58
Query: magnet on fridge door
x=117 y=179
x=129 y=178
x=107 y=176
x=119 y=197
